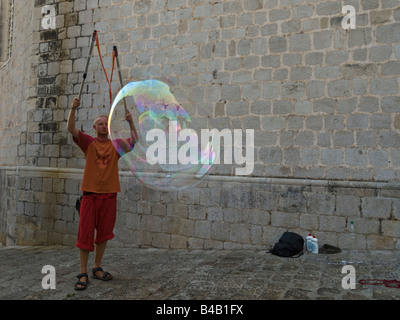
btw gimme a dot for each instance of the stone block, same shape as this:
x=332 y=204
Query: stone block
x=195 y=243
x=240 y=233
x=343 y=138
x=332 y=157
x=388 y=33
x=202 y=229
x=360 y=54
x=220 y=231
x=302 y=107
x=378 y=158
x=271 y=155
x=357 y=122
x=351 y=71
x=282 y=107
x=279 y=14
x=391 y=228
x=326 y=72
x=230 y=92
x=152 y=223
x=321 y=204
x=380 y=121
x=389 y=140
x=291 y=26
x=259 y=46
x=302 y=11
x=322 y=40
x=285 y=219
x=161 y=240
x=378 y=242
x=334 y=122
x=380 y=53
x=300 y=42
x=376 y=207
x=271 y=61
x=202 y=11
x=336 y=57
x=339 y=88
x=360 y=36
x=332 y=223
x=356 y=157
x=243 y=47
x=291 y=157
x=171 y=225
x=390 y=104
x=237 y=108
x=391 y=68
x=178 y=242
x=292 y=202
x=328 y=8
x=277 y=44
x=309 y=156
x=271 y=90
x=315 y=89
x=252 y=5
x=309 y=222
x=300 y=73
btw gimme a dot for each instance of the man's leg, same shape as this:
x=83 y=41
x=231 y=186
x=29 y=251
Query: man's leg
x=85 y=234
x=107 y=204
x=98 y=256
x=83 y=257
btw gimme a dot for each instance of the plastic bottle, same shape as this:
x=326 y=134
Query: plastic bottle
x=314 y=241
x=308 y=242
x=352 y=234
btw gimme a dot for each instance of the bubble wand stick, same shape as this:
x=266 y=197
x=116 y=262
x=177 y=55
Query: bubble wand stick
x=134 y=134
x=120 y=75
x=87 y=62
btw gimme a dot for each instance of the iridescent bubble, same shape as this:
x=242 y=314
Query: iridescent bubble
x=169 y=153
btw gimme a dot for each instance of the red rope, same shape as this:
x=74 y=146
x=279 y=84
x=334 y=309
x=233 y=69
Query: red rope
x=104 y=69
x=377 y=282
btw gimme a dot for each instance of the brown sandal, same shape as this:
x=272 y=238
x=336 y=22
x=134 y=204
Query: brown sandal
x=106 y=275
x=82 y=283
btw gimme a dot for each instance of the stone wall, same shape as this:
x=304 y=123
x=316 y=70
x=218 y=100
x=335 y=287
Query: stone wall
x=322 y=100
x=230 y=213
x=17 y=76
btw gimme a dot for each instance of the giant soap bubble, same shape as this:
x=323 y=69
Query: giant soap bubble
x=169 y=154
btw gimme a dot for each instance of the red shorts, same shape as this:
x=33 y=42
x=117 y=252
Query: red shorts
x=98 y=211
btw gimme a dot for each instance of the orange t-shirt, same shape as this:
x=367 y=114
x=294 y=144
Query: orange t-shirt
x=101 y=166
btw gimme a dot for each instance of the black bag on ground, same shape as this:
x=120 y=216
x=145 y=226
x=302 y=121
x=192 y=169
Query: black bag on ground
x=290 y=244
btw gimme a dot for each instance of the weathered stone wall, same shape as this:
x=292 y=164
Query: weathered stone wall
x=17 y=77
x=323 y=102
x=220 y=213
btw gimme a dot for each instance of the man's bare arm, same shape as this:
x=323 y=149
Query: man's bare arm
x=134 y=135
x=71 y=118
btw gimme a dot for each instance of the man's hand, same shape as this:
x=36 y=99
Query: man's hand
x=128 y=117
x=75 y=103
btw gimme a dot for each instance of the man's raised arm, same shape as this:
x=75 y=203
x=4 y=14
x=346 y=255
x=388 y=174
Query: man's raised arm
x=134 y=135
x=71 y=118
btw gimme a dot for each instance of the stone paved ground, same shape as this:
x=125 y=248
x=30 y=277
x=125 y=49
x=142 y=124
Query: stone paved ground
x=161 y=274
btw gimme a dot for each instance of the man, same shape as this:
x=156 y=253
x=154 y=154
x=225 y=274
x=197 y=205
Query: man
x=100 y=185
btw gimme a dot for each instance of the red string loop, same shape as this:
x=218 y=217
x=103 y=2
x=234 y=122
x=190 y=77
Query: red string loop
x=376 y=282
x=104 y=69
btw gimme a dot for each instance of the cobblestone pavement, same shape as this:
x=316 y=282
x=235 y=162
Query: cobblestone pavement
x=160 y=274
